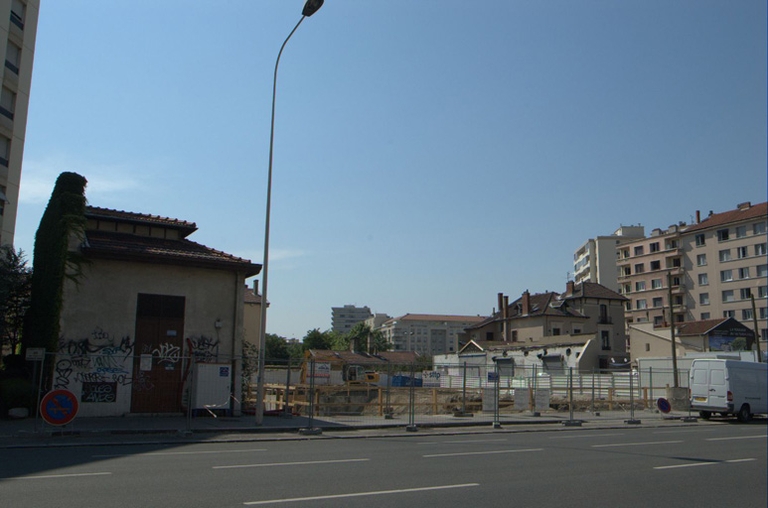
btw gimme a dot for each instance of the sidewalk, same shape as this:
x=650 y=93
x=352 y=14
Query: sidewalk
x=179 y=429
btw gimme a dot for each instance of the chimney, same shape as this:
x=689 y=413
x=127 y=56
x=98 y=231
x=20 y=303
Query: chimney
x=526 y=303
x=256 y=287
x=505 y=313
x=500 y=304
x=698 y=216
x=569 y=288
x=744 y=206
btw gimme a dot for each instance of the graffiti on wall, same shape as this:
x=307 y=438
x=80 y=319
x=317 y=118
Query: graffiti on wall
x=203 y=349
x=98 y=363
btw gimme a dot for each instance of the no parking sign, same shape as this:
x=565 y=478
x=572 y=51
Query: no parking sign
x=59 y=407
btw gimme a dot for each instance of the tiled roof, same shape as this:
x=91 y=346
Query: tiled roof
x=352 y=357
x=594 y=290
x=92 y=212
x=731 y=216
x=250 y=297
x=111 y=245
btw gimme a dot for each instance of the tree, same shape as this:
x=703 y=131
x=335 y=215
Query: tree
x=15 y=287
x=315 y=339
x=366 y=340
x=276 y=348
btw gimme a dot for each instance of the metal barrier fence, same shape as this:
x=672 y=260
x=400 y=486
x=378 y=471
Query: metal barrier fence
x=349 y=394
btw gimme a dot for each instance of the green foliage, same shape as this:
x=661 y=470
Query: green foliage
x=276 y=349
x=315 y=339
x=15 y=289
x=63 y=221
x=16 y=392
x=365 y=340
x=739 y=344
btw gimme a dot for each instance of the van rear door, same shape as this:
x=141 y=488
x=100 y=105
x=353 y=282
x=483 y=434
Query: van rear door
x=718 y=385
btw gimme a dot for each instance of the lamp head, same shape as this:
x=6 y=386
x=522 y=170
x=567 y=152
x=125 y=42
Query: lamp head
x=311 y=7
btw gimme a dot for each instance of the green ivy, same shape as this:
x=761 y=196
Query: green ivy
x=63 y=220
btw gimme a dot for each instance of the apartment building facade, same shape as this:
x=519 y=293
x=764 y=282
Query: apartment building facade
x=18 y=30
x=427 y=334
x=710 y=270
x=344 y=318
x=595 y=260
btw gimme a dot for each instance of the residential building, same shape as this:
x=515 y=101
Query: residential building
x=18 y=30
x=427 y=334
x=344 y=318
x=151 y=310
x=691 y=337
x=585 y=312
x=595 y=260
x=712 y=269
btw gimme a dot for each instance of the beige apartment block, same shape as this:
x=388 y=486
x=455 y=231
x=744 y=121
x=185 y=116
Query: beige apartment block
x=18 y=29
x=427 y=334
x=711 y=270
x=595 y=260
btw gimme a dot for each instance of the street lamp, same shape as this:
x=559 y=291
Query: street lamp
x=310 y=7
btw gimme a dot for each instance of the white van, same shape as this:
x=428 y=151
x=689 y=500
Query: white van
x=729 y=387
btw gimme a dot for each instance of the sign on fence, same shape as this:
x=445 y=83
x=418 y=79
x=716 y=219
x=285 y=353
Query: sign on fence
x=541 y=400
x=322 y=369
x=522 y=398
x=430 y=379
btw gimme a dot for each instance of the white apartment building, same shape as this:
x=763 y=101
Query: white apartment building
x=712 y=269
x=427 y=334
x=18 y=30
x=595 y=260
x=344 y=318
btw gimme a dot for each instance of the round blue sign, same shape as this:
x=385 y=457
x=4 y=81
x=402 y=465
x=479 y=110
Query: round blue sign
x=664 y=405
x=59 y=407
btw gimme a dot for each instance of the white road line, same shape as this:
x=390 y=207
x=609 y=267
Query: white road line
x=47 y=476
x=761 y=436
x=361 y=494
x=304 y=463
x=683 y=431
x=157 y=454
x=490 y=452
x=584 y=435
x=646 y=443
x=679 y=466
x=466 y=441
x=696 y=464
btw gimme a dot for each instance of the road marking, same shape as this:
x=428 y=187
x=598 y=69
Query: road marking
x=304 y=463
x=361 y=494
x=762 y=436
x=583 y=435
x=696 y=464
x=47 y=476
x=469 y=441
x=646 y=443
x=683 y=430
x=490 y=452
x=154 y=454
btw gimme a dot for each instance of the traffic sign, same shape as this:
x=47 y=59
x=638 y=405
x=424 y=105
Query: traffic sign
x=35 y=354
x=663 y=405
x=59 y=407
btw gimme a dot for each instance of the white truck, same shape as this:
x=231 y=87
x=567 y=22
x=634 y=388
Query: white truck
x=729 y=387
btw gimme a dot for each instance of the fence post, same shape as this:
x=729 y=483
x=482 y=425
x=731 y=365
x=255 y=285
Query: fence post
x=411 y=427
x=571 y=422
x=286 y=397
x=311 y=430
x=631 y=401
x=496 y=422
x=388 y=413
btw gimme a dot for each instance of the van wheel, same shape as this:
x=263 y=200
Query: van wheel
x=744 y=415
x=705 y=414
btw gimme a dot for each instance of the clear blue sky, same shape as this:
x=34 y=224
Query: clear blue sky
x=428 y=154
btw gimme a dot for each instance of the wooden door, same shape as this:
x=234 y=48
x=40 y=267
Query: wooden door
x=157 y=368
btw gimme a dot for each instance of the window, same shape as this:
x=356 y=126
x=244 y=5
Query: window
x=744 y=273
x=726 y=275
x=627 y=288
x=762 y=270
x=5 y=150
x=741 y=231
x=624 y=254
x=625 y=271
x=656 y=284
x=705 y=315
x=741 y=252
x=640 y=268
x=640 y=285
x=746 y=314
x=728 y=296
x=762 y=312
x=704 y=299
x=700 y=240
x=762 y=291
x=639 y=250
x=7 y=102
x=17 y=13
x=658 y=320
x=729 y=313
x=605 y=339
x=655 y=247
x=670 y=244
x=722 y=235
x=725 y=255
x=658 y=302
x=745 y=293
x=647 y=345
x=701 y=260
x=655 y=265
x=12 y=57
x=641 y=304
x=760 y=249
x=703 y=279
x=758 y=228
x=2 y=199
x=675 y=281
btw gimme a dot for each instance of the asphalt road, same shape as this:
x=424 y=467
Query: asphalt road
x=702 y=465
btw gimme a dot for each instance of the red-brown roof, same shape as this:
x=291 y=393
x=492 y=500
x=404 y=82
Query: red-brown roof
x=93 y=212
x=352 y=357
x=740 y=214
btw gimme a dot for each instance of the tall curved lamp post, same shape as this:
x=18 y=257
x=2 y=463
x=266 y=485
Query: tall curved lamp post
x=310 y=7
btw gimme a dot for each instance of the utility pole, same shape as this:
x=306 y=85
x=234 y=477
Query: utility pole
x=672 y=328
x=754 y=325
